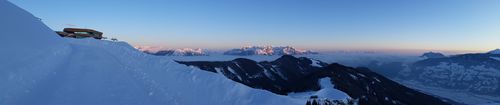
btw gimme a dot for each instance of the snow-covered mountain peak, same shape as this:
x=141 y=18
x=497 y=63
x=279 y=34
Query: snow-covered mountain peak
x=149 y=48
x=189 y=52
x=496 y=51
x=268 y=50
x=160 y=51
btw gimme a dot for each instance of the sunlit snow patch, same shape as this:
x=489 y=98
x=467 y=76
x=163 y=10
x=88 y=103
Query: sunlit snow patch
x=315 y=63
x=327 y=91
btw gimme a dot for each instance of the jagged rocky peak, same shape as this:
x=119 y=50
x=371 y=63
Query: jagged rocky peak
x=268 y=50
x=496 y=51
x=159 y=51
x=433 y=55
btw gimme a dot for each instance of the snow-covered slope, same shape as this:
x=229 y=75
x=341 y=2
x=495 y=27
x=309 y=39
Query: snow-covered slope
x=496 y=51
x=42 y=69
x=268 y=50
x=15 y=25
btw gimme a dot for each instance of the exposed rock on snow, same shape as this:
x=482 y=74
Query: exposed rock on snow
x=284 y=75
x=268 y=50
x=290 y=75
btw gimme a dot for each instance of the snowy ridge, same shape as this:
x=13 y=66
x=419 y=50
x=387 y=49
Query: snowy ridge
x=14 y=35
x=297 y=77
x=284 y=73
x=93 y=72
x=496 y=51
x=268 y=50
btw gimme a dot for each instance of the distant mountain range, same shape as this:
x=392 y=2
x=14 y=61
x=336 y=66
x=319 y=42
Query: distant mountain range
x=173 y=52
x=289 y=74
x=267 y=50
x=244 y=51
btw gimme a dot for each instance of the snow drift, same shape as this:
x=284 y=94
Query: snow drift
x=43 y=69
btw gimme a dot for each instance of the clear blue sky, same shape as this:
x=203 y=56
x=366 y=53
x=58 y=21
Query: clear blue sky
x=311 y=24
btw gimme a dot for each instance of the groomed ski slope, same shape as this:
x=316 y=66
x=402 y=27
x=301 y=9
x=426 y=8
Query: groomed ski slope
x=37 y=67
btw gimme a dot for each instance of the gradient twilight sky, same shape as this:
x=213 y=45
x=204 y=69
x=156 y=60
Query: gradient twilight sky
x=312 y=24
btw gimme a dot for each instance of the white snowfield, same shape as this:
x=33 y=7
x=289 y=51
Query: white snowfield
x=37 y=67
x=327 y=91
